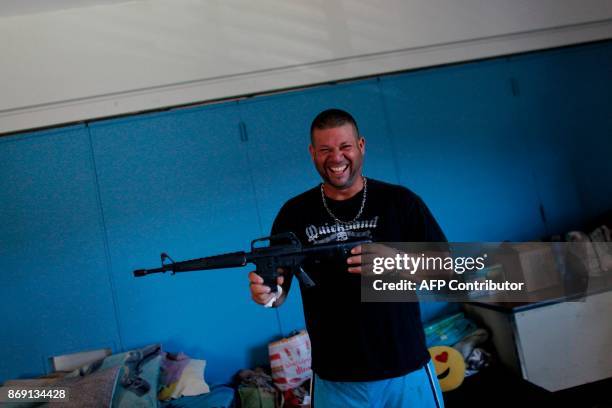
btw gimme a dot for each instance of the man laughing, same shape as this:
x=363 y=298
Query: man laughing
x=363 y=354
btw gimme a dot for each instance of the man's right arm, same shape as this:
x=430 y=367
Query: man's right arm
x=261 y=293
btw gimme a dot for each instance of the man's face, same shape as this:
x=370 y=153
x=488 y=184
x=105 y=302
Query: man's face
x=337 y=154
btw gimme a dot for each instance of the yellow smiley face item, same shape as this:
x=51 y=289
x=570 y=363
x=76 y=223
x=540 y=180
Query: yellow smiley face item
x=450 y=366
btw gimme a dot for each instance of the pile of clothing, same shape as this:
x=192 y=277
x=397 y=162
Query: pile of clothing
x=256 y=390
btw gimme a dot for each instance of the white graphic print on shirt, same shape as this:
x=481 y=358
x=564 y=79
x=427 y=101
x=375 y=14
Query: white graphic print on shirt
x=341 y=232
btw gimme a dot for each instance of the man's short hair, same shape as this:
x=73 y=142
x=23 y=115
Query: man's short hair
x=332 y=118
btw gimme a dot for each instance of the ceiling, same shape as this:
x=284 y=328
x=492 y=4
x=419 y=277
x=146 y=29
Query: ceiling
x=23 y=7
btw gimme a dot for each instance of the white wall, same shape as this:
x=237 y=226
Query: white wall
x=102 y=60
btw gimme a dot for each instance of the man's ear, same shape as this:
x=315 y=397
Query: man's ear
x=311 y=149
x=361 y=144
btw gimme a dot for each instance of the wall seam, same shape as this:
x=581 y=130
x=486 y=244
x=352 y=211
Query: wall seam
x=107 y=256
x=389 y=130
x=244 y=139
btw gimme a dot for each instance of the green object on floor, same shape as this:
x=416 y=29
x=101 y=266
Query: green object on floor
x=253 y=397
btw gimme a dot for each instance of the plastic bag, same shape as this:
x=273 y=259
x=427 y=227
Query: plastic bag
x=448 y=330
x=290 y=361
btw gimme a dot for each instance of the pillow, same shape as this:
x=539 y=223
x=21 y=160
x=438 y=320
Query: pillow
x=182 y=378
x=69 y=362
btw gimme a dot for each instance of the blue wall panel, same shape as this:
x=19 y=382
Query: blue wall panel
x=457 y=147
x=567 y=109
x=545 y=112
x=54 y=287
x=572 y=88
x=179 y=182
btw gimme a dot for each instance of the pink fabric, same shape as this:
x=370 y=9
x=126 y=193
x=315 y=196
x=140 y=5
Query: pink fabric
x=172 y=366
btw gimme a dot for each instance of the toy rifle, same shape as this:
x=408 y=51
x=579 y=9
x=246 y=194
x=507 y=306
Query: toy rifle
x=284 y=251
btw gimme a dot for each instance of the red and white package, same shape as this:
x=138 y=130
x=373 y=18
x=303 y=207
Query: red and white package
x=290 y=361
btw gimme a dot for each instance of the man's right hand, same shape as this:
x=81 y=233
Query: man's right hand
x=260 y=293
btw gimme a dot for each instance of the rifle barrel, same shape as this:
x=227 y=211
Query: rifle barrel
x=229 y=260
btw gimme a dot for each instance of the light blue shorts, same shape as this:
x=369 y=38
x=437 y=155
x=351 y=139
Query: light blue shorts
x=418 y=389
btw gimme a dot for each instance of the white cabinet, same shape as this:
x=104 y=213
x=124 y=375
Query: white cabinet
x=554 y=346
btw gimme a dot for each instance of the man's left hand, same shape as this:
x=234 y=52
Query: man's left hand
x=361 y=257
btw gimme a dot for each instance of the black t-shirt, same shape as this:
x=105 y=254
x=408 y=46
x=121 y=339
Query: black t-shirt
x=351 y=340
